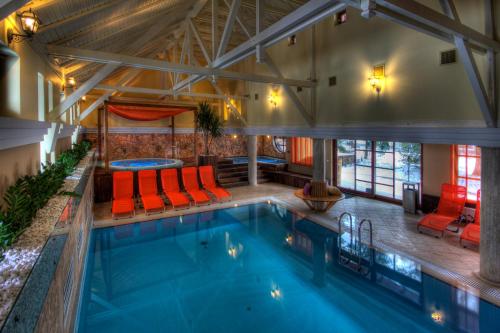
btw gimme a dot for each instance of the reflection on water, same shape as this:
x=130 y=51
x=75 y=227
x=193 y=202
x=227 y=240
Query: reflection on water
x=236 y=255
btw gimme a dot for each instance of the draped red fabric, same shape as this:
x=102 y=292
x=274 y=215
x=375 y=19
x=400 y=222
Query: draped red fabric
x=144 y=113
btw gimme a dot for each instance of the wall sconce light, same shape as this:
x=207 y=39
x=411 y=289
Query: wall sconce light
x=235 y=136
x=377 y=78
x=70 y=83
x=273 y=97
x=230 y=104
x=84 y=98
x=29 y=23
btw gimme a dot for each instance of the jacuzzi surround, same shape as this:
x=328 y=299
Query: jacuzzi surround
x=136 y=164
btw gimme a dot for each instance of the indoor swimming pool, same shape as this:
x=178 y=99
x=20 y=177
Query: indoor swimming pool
x=261 y=268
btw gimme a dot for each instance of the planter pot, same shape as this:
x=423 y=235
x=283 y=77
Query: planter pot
x=207 y=160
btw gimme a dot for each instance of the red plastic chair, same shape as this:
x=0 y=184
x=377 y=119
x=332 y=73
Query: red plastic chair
x=208 y=181
x=149 y=192
x=190 y=180
x=123 y=191
x=170 y=184
x=471 y=233
x=450 y=207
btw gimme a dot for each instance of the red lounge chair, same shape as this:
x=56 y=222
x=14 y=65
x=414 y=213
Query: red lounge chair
x=123 y=191
x=190 y=180
x=471 y=231
x=149 y=192
x=170 y=184
x=208 y=182
x=450 y=207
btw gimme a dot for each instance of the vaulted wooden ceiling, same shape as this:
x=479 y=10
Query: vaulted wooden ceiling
x=151 y=28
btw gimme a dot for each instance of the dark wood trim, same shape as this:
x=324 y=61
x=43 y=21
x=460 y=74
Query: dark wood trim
x=172 y=124
x=99 y=134
x=335 y=162
x=106 y=138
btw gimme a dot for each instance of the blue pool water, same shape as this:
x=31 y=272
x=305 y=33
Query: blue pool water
x=145 y=163
x=260 y=159
x=260 y=268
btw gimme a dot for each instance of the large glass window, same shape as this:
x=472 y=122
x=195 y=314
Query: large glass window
x=345 y=163
x=467 y=169
x=302 y=151
x=354 y=161
x=363 y=170
x=394 y=164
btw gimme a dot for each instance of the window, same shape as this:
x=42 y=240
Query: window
x=466 y=162
x=340 y=17
x=396 y=163
x=302 y=151
x=377 y=167
x=354 y=165
x=279 y=144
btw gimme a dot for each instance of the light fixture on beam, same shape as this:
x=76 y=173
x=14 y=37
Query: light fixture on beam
x=377 y=78
x=29 y=23
x=70 y=83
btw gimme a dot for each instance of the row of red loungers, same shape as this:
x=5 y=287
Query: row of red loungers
x=449 y=210
x=123 y=190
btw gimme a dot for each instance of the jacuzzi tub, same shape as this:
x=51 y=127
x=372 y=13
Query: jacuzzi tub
x=145 y=163
x=260 y=159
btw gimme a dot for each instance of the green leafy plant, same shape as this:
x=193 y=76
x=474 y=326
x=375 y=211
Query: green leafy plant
x=30 y=193
x=209 y=123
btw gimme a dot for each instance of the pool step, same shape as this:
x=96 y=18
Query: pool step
x=232 y=169
x=233 y=175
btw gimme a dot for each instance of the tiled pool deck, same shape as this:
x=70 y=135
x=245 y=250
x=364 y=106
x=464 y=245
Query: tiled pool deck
x=392 y=229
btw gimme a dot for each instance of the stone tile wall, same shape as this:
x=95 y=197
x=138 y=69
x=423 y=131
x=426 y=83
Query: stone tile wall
x=126 y=146
x=76 y=223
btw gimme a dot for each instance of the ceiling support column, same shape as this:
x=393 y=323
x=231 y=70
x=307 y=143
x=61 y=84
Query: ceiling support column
x=489 y=248
x=252 y=160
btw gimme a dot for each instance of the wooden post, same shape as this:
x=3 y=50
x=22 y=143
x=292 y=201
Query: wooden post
x=99 y=134
x=195 y=139
x=174 y=148
x=106 y=135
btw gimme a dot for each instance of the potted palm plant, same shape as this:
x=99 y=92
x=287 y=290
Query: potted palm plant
x=210 y=125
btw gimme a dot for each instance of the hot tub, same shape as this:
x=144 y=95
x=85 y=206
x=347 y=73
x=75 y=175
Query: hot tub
x=260 y=159
x=145 y=163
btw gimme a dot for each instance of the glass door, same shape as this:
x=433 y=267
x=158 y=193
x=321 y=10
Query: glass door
x=408 y=164
x=378 y=167
x=346 y=154
x=363 y=166
x=384 y=169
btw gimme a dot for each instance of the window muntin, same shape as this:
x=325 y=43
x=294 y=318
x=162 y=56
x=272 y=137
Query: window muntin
x=467 y=169
x=280 y=144
x=302 y=151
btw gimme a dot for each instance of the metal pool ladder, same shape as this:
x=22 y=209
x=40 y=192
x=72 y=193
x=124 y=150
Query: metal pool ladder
x=349 y=260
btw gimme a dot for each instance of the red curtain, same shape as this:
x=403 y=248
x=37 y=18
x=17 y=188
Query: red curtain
x=144 y=113
x=302 y=151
